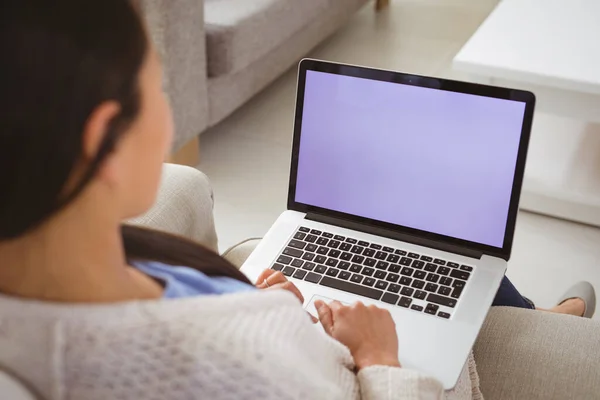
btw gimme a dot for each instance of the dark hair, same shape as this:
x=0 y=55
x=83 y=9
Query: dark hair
x=60 y=60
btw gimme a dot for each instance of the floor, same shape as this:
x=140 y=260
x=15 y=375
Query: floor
x=247 y=156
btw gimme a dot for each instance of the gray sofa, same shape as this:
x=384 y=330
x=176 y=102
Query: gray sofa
x=220 y=53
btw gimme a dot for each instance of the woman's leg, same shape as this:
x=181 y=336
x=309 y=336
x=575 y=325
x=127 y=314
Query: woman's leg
x=509 y=296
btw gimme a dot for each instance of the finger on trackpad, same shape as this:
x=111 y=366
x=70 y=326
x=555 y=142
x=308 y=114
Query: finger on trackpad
x=310 y=306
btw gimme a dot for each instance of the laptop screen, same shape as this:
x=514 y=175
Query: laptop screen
x=428 y=159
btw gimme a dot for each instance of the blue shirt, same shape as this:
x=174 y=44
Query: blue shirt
x=187 y=282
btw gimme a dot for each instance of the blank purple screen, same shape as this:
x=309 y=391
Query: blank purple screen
x=433 y=160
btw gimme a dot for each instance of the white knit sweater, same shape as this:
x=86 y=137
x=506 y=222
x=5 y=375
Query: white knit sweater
x=255 y=345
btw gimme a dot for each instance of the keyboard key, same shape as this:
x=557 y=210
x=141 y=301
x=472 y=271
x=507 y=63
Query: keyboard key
x=431 y=309
x=369 y=252
x=355 y=268
x=443 y=315
x=308 y=256
x=322 y=241
x=381 y=285
x=288 y=271
x=345 y=246
x=387 y=249
x=458 y=274
x=334 y=253
x=419 y=294
x=370 y=262
x=346 y=256
x=418 y=264
x=443 y=270
x=351 y=288
x=288 y=251
x=315 y=232
x=431 y=287
x=390 y=298
x=309 y=266
x=327 y=235
x=416 y=307
x=320 y=269
x=345 y=275
x=393 y=288
x=367 y=271
x=356 y=278
x=357 y=249
x=382 y=265
x=405 y=302
x=312 y=248
x=344 y=265
x=400 y=252
x=441 y=300
x=303 y=229
x=426 y=258
x=322 y=250
x=394 y=268
x=380 y=274
x=300 y=274
x=456 y=292
x=277 y=267
x=297 y=263
x=284 y=260
x=444 y=291
x=334 y=244
x=444 y=280
x=332 y=272
x=417 y=284
x=332 y=262
x=320 y=259
x=414 y=255
x=430 y=267
x=351 y=241
x=407 y=271
x=297 y=244
x=452 y=265
x=420 y=274
x=299 y=235
x=404 y=280
x=339 y=237
x=311 y=238
x=358 y=259
x=392 y=278
x=393 y=258
x=407 y=291
x=363 y=243
x=433 y=278
x=312 y=277
x=375 y=246
x=459 y=284
x=439 y=261
x=405 y=261
x=466 y=268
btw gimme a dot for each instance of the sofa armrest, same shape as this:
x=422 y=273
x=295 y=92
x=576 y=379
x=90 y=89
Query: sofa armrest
x=177 y=29
x=526 y=354
x=184 y=206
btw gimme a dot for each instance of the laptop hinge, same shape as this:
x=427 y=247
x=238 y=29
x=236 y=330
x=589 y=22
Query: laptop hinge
x=373 y=230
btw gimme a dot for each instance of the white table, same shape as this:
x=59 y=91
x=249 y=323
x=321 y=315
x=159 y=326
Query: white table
x=551 y=47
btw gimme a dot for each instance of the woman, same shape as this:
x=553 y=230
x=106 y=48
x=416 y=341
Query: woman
x=85 y=128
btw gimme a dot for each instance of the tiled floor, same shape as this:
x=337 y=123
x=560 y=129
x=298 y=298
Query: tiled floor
x=247 y=156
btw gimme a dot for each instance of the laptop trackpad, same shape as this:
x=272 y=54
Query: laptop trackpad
x=310 y=306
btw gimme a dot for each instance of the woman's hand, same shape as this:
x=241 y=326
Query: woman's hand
x=368 y=331
x=270 y=280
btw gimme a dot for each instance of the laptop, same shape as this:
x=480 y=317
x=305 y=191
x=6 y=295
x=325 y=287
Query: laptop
x=403 y=193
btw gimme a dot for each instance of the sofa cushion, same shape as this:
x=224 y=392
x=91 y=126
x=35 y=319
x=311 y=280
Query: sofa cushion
x=238 y=32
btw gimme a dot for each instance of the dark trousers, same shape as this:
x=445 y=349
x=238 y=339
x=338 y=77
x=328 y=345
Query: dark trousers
x=509 y=296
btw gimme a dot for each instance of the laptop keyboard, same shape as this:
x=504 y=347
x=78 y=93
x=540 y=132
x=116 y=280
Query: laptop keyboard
x=395 y=276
